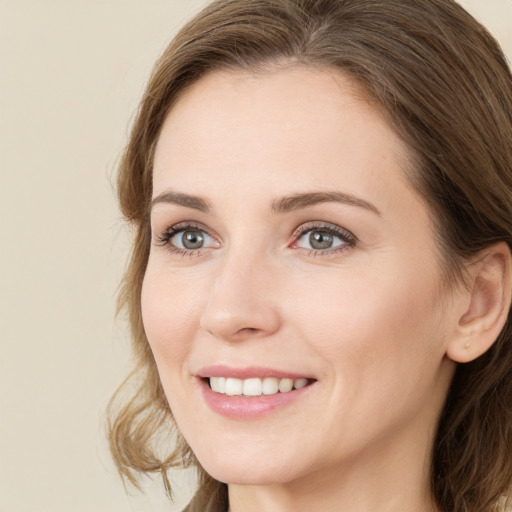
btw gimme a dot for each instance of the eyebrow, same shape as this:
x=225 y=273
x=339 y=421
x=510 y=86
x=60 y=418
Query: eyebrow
x=173 y=197
x=281 y=205
x=299 y=201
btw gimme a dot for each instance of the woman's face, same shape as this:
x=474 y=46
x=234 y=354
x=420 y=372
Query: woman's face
x=288 y=249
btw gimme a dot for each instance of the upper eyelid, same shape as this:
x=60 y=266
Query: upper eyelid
x=304 y=227
x=182 y=226
x=310 y=225
x=334 y=228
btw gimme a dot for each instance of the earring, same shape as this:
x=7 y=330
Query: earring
x=468 y=343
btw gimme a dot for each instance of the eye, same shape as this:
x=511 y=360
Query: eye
x=323 y=238
x=190 y=239
x=186 y=239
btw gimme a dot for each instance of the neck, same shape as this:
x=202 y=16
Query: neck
x=388 y=479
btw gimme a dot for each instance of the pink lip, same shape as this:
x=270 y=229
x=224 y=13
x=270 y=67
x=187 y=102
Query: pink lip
x=247 y=373
x=247 y=407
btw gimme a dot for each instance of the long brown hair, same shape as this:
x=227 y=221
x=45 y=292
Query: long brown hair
x=446 y=89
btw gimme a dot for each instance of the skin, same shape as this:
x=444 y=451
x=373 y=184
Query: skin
x=371 y=321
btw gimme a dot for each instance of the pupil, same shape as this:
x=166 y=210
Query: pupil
x=192 y=239
x=320 y=240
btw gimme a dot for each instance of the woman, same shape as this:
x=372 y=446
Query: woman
x=320 y=283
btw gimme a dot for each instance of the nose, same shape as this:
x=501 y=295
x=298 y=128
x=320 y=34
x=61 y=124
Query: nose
x=242 y=301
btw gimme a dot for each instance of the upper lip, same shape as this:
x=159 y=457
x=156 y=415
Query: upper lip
x=247 y=372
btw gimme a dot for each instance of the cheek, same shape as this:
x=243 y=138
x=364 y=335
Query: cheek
x=380 y=327
x=384 y=356
x=170 y=315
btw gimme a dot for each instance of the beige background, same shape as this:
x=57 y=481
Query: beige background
x=71 y=72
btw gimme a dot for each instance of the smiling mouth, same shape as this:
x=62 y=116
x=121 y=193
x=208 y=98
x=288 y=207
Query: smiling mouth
x=230 y=386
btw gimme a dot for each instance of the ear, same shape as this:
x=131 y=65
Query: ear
x=487 y=307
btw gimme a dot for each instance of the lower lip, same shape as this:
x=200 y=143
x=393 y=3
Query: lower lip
x=249 y=407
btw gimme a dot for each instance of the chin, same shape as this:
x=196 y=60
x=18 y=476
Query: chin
x=233 y=469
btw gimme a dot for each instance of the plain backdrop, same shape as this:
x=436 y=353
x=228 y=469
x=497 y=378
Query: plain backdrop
x=71 y=74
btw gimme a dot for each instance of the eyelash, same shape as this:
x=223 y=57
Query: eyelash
x=165 y=238
x=348 y=239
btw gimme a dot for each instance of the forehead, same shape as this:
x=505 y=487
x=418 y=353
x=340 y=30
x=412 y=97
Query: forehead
x=286 y=129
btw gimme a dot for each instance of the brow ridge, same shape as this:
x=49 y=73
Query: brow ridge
x=187 y=200
x=278 y=206
x=304 y=200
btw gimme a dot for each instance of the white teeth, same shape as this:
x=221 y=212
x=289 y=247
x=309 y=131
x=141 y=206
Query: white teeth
x=234 y=386
x=300 y=383
x=270 y=386
x=214 y=383
x=255 y=386
x=285 y=385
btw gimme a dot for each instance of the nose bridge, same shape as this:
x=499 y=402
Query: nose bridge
x=241 y=299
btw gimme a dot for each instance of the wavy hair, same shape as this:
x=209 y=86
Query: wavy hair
x=446 y=90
